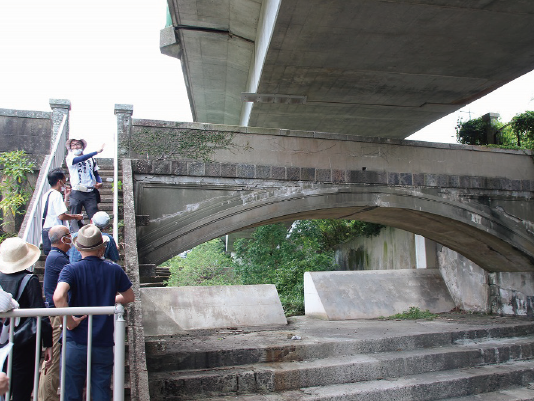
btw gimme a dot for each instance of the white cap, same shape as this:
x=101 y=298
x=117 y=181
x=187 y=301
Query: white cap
x=100 y=219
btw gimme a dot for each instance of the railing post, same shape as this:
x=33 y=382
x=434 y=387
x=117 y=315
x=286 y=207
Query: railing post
x=118 y=373
x=60 y=107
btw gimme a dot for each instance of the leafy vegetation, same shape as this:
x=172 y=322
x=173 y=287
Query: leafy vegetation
x=165 y=143
x=517 y=134
x=206 y=264
x=14 y=187
x=273 y=255
x=413 y=313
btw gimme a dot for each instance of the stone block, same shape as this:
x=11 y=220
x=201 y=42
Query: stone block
x=454 y=181
x=228 y=170
x=307 y=174
x=140 y=166
x=213 y=169
x=293 y=173
x=405 y=179
x=263 y=172
x=161 y=167
x=278 y=173
x=197 y=168
x=339 y=176
x=345 y=295
x=367 y=177
x=323 y=175
x=431 y=180
x=418 y=179
x=178 y=168
x=442 y=180
x=393 y=179
x=167 y=311
x=245 y=171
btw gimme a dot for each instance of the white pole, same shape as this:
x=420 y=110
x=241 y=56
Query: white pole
x=118 y=374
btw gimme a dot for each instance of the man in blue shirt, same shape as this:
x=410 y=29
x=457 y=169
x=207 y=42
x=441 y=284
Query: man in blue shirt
x=91 y=282
x=101 y=220
x=55 y=262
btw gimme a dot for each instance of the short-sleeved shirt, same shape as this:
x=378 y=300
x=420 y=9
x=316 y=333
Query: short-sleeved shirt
x=82 y=173
x=94 y=282
x=111 y=252
x=56 y=207
x=55 y=262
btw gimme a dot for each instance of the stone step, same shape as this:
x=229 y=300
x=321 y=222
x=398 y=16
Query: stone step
x=284 y=376
x=511 y=394
x=164 y=354
x=423 y=387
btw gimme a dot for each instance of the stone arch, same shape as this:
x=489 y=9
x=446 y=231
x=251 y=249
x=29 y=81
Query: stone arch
x=468 y=224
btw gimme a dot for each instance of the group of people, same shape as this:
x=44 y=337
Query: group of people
x=79 y=271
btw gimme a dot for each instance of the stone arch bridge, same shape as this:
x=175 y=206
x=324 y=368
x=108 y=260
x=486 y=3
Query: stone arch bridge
x=474 y=200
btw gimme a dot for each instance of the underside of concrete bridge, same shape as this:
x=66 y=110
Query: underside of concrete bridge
x=359 y=67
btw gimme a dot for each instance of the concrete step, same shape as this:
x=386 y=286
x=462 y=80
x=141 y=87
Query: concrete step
x=424 y=387
x=511 y=394
x=284 y=376
x=170 y=354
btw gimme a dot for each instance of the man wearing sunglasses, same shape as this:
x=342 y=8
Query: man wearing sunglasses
x=57 y=259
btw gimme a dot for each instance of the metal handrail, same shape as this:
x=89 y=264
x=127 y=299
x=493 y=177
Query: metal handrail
x=32 y=221
x=119 y=338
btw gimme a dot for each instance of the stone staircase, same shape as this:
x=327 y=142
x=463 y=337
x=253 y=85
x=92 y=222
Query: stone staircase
x=106 y=193
x=485 y=359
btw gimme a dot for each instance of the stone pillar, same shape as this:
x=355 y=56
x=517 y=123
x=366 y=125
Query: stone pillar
x=60 y=107
x=491 y=130
x=124 y=125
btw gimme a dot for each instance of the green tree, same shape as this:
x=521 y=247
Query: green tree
x=522 y=126
x=472 y=132
x=275 y=255
x=206 y=264
x=517 y=134
x=14 y=187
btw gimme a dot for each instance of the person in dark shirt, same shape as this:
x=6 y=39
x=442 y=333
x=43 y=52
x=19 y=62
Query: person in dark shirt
x=15 y=257
x=60 y=239
x=90 y=282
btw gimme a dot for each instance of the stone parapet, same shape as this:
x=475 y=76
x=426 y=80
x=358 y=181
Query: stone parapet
x=311 y=174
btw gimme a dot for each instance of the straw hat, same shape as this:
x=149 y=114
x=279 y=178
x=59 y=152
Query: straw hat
x=17 y=255
x=67 y=144
x=89 y=238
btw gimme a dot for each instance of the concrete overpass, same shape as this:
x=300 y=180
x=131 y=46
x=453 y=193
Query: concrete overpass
x=360 y=67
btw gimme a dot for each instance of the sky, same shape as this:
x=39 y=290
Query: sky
x=100 y=53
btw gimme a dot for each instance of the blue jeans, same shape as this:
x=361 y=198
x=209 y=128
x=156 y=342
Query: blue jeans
x=76 y=372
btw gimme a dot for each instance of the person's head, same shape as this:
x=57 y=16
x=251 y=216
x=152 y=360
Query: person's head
x=55 y=177
x=60 y=237
x=101 y=220
x=76 y=146
x=90 y=241
x=17 y=255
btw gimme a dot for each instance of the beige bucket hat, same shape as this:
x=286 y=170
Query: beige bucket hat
x=89 y=238
x=67 y=144
x=17 y=255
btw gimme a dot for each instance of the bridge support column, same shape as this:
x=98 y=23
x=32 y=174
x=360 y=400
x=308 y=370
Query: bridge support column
x=60 y=107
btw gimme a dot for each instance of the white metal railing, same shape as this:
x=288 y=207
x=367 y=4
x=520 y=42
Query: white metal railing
x=118 y=363
x=32 y=221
